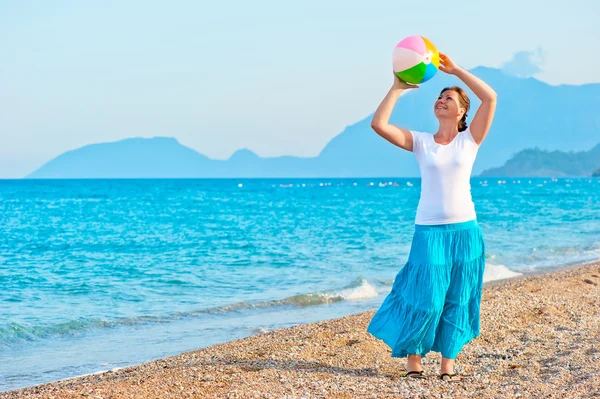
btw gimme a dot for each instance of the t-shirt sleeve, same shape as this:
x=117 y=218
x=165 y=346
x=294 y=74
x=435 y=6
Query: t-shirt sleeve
x=417 y=141
x=470 y=137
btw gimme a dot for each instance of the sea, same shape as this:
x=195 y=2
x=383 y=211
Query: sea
x=97 y=275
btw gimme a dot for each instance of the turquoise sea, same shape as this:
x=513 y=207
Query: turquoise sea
x=101 y=274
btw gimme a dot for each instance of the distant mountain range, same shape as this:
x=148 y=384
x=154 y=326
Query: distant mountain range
x=530 y=114
x=540 y=163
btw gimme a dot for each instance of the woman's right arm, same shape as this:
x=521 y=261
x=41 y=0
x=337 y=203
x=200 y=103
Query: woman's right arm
x=380 y=123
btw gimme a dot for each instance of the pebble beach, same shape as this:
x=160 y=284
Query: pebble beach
x=540 y=338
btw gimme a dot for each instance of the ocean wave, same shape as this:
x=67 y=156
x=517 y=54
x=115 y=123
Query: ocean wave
x=360 y=289
x=498 y=272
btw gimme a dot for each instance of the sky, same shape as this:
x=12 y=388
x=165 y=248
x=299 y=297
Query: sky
x=278 y=78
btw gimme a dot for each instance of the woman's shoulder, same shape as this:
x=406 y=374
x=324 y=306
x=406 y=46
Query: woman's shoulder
x=469 y=136
x=420 y=140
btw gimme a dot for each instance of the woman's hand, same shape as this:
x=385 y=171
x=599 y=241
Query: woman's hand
x=447 y=65
x=399 y=84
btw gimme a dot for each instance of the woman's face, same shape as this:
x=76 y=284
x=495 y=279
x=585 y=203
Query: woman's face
x=448 y=106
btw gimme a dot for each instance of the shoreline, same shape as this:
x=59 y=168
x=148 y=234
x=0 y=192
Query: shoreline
x=542 y=271
x=285 y=371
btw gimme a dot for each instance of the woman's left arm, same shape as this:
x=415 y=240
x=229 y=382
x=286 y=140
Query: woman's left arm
x=485 y=114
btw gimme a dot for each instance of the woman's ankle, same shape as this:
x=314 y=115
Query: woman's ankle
x=447 y=366
x=413 y=363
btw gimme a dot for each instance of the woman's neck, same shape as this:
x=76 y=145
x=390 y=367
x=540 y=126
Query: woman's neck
x=446 y=132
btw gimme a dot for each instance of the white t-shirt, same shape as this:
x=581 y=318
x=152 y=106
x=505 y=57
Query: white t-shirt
x=445 y=178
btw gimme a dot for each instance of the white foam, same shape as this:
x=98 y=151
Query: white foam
x=498 y=272
x=363 y=291
x=260 y=330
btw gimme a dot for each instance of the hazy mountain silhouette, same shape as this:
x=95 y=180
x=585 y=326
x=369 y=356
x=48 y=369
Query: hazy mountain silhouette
x=135 y=157
x=530 y=114
x=535 y=162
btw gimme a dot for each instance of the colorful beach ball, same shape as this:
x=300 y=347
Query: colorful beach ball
x=415 y=60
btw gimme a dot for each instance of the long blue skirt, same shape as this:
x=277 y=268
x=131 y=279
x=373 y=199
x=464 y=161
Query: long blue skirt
x=435 y=299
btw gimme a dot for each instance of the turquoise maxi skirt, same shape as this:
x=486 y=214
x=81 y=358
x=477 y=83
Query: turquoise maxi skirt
x=435 y=298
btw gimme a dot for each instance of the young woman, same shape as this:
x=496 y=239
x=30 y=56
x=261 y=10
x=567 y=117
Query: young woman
x=435 y=298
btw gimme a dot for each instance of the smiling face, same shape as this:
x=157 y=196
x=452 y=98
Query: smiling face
x=453 y=104
x=449 y=105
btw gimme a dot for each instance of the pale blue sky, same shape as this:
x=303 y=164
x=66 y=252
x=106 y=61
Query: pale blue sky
x=275 y=77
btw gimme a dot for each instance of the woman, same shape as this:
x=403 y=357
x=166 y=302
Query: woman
x=435 y=298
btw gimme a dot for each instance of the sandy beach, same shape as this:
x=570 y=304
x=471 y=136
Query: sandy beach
x=540 y=338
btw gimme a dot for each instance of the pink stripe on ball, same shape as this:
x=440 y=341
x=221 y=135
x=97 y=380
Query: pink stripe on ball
x=414 y=43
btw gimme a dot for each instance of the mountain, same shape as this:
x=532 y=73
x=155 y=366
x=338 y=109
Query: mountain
x=596 y=173
x=135 y=157
x=537 y=163
x=530 y=114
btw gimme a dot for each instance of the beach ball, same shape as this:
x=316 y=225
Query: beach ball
x=415 y=60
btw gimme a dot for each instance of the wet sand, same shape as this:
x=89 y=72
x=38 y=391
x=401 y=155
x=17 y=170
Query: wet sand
x=540 y=338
